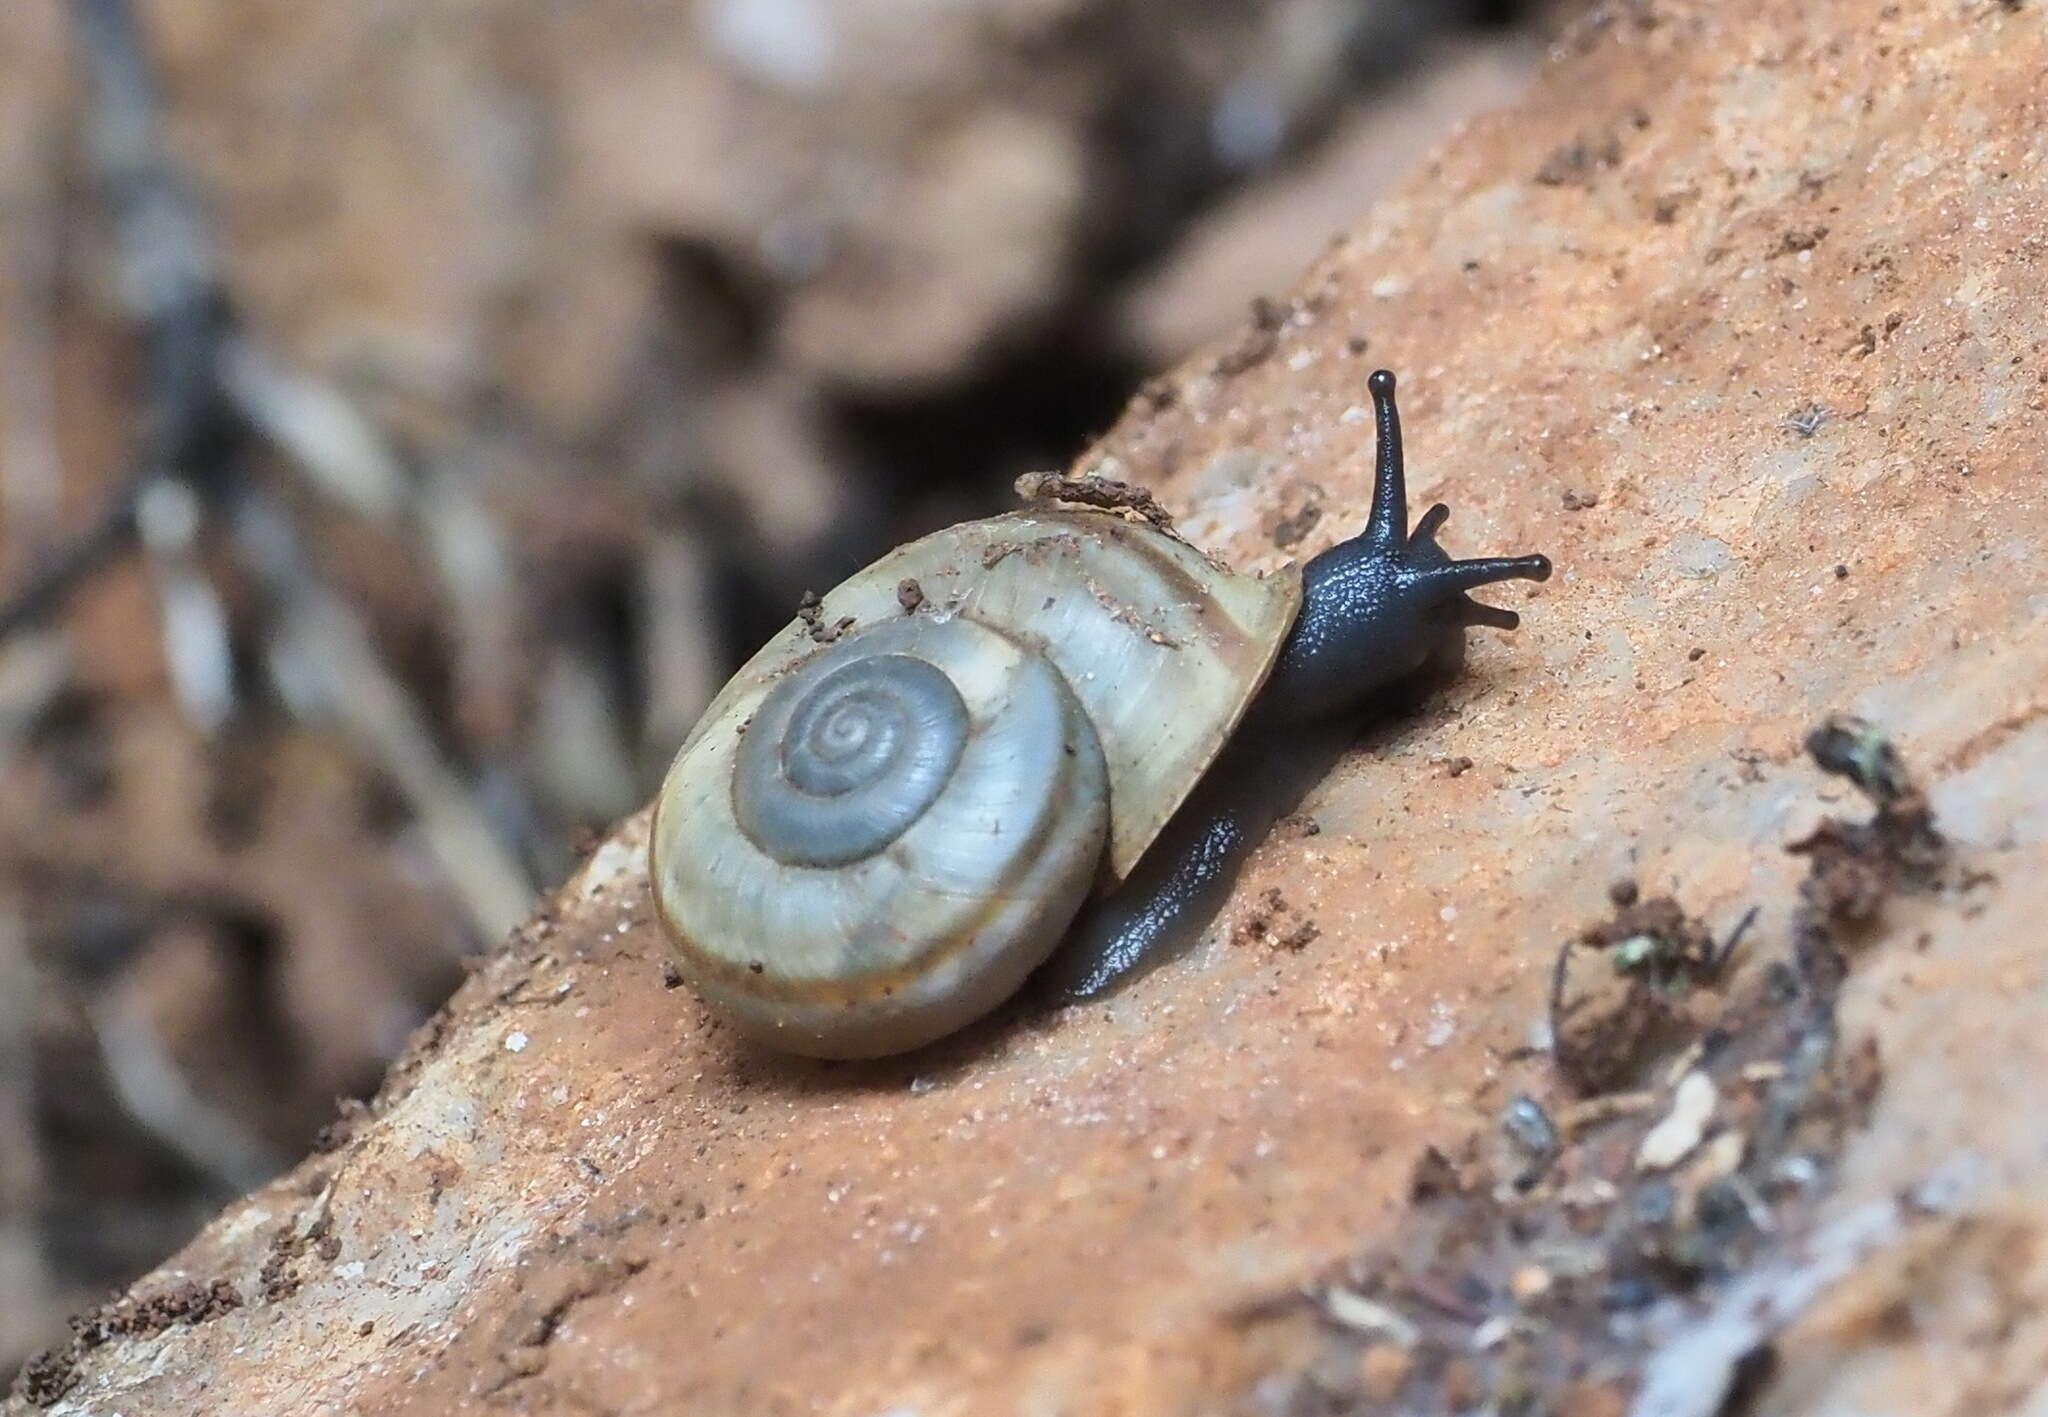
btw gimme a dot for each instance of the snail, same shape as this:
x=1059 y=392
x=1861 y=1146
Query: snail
x=893 y=813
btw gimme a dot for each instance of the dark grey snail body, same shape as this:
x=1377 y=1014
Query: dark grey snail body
x=865 y=847
x=1374 y=610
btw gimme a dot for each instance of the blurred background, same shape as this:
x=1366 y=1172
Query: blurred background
x=411 y=410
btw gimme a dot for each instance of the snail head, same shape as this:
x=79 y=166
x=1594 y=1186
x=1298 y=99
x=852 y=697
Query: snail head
x=1377 y=607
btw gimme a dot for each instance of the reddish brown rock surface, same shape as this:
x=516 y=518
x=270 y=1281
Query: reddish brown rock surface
x=1740 y=317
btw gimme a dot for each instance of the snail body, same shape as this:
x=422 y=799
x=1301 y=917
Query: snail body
x=869 y=842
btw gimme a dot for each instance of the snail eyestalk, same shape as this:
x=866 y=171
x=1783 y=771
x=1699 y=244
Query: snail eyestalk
x=1387 y=524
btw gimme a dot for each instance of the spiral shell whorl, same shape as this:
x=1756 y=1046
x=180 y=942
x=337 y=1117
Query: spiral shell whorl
x=958 y=863
x=843 y=757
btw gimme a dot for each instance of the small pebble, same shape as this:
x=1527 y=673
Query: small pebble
x=1350 y=1309
x=1529 y=1126
x=1493 y=1333
x=1672 y=1140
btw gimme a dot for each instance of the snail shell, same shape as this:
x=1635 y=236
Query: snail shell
x=864 y=846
